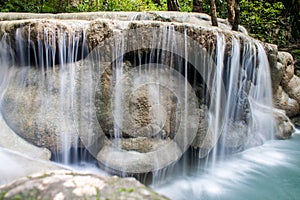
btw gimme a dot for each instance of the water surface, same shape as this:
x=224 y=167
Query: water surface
x=270 y=171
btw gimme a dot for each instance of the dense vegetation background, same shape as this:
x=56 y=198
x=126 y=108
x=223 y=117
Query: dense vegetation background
x=272 y=21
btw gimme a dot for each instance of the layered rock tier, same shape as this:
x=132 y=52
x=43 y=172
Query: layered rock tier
x=136 y=89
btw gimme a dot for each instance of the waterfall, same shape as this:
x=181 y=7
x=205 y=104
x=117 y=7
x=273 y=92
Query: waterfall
x=248 y=117
x=48 y=65
x=140 y=99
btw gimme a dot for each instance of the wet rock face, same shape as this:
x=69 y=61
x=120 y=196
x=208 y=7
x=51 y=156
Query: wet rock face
x=11 y=141
x=26 y=37
x=151 y=109
x=285 y=125
x=74 y=185
x=37 y=113
x=146 y=121
x=97 y=32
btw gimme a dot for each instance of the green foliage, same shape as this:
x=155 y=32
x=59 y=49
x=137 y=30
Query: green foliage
x=296 y=53
x=116 y=5
x=19 y=6
x=58 y=6
x=221 y=8
x=130 y=5
x=17 y=197
x=267 y=20
x=186 y=5
x=264 y=21
x=2 y=194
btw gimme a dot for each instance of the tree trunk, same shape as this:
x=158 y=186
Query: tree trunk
x=220 y=4
x=236 y=22
x=292 y=9
x=213 y=10
x=197 y=6
x=230 y=11
x=91 y=3
x=173 y=5
x=41 y=6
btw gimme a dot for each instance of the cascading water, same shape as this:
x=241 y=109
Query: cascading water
x=48 y=65
x=138 y=98
x=245 y=123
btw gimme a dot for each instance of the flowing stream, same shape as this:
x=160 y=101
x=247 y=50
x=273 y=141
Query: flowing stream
x=270 y=171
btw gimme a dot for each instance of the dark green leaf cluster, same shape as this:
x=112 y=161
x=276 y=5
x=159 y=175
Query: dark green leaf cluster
x=265 y=21
x=19 y=6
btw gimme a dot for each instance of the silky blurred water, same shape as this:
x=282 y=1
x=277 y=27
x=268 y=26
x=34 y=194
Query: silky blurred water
x=271 y=171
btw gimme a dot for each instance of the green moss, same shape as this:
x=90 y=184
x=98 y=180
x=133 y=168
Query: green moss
x=122 y=189
x=2 y=195
x=129 y=190
x=17 y=197
x=98 y=195
x=44 y=176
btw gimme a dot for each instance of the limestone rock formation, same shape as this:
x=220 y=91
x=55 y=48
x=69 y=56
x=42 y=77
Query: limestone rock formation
x=61 y=184
x=285 y=83
x=150 y=118
x=285 y=126
x=283 y=101
x=47 y=110
x=93 y=83
x=37 y=113
x=11 y=141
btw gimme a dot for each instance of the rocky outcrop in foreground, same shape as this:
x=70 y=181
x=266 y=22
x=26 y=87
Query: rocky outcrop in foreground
x=61 y=184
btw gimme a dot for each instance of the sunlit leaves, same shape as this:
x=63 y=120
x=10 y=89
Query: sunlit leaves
x=264 y=20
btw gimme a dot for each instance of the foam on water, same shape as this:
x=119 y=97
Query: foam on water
x=268 y=171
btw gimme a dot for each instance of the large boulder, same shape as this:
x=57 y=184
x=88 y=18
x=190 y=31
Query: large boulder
x=40 y=113
x=62 y=184
x=283 y=101
x=11 y=141
x=285 y=83
x=150 y=117
x=284 y=124
x=275 y=66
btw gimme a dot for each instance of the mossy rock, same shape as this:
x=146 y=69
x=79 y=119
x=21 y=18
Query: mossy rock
x=62 y=184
